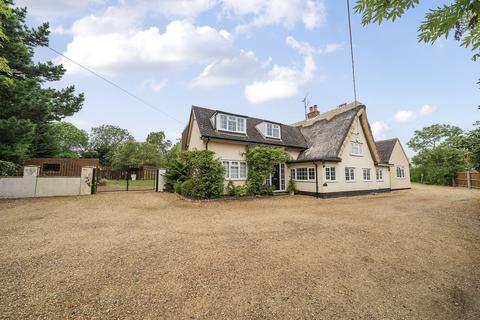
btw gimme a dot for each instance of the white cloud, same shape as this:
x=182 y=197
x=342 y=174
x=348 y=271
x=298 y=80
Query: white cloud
x=241 y=68
x=60 y=30
x=427 y=110
x=284 y=12
x=379 y=129
x=113 y=42
x=155 y=85
x=282 y=82
x=405 y=116
x=55 y=8
x=331 y=47
x=303 y=47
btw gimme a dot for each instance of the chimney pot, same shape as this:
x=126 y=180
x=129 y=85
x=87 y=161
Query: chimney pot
x=313 y=112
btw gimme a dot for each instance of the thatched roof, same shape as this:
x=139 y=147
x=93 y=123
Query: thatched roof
x=385 y=149
x=325 y=136
x=291 y=137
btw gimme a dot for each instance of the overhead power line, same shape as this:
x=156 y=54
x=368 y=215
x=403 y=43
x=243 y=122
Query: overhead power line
x=351 y=52
x=143 y=101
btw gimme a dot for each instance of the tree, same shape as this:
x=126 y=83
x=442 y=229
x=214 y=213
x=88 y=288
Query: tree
x=473 y=147
x=105 y=139
x=435 y=135
x=439 y=165
x=5 y=71
x=205 y=173
x=25 y=95
x=16 y=137
x=131 y=154
x=158 y=139
x=70 y=141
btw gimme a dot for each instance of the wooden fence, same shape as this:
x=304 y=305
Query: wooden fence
x=468 y=179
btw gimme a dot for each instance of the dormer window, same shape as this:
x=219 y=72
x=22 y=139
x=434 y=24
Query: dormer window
x=273 y=131
x=230 y=123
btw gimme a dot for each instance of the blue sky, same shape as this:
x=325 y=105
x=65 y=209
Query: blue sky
x=257 y=58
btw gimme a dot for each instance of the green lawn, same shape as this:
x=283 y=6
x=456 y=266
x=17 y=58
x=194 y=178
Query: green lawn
x=142 y=183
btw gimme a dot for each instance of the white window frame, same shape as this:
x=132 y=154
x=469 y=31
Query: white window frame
x=238 y=124
x=356 y=148
x=329 y=172
x=310 y=174
x=275 y=130
x=238 y=164
x=400 y=172
x=349 y=174
x=367 y=174
x=379 y=174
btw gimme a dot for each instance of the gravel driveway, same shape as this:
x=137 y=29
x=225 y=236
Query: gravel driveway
x=411 y=254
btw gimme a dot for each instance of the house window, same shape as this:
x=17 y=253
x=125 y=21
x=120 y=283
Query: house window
x=235 y=170
x=379 y=174
x=51 y=167
x=356 y=148
x=231 y=123
x=302 y=174
x=349 y=174
x=366 y=174
x=330 y=174
x=272 y=130
x=400 y=172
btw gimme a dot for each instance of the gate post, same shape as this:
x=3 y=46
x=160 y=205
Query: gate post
x=469 y=180
x=160 y=179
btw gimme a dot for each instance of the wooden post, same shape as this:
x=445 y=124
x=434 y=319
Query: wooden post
x=469 y=180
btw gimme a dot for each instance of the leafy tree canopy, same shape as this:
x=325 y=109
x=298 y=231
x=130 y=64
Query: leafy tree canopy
x=27 y=101
x=71 y=141
x=435 y=135
x=131 y=154
x=158 y=139
x=104 y=140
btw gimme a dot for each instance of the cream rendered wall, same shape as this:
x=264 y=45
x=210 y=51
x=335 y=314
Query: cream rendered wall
x=398 y=158
x=306 y=186
x=357 y=162
x=58 y=186
x=195 y=143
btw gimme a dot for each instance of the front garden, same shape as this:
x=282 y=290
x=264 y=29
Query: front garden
x=199 y=175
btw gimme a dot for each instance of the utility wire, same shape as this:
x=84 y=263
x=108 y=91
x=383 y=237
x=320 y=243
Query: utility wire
x=117 y=86
x=351 y=52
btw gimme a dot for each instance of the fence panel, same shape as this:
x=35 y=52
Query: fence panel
x=461 y=179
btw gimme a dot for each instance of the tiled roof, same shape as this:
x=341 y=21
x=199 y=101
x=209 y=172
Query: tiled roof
x=290 y=136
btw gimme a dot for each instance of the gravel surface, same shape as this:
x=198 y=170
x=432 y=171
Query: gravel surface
x=411 y=254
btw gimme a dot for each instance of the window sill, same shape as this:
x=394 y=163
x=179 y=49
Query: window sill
x=331 y=181
x=367 y=181
x=350 y=181
x=309 y=181
x=231 y=179
x=356 y=155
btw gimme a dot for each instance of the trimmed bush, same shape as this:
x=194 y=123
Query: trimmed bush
x=7 y=168
x=176 y=170
x=206 y=173
x=187 y=188
x=235 y=191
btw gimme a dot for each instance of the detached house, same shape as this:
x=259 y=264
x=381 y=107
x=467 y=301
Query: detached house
x=332 y=153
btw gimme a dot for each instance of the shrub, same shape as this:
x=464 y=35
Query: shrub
x=177 y=187
x=235 y=191
x=176 y=170
x=261 y=161
x=206 y=173
x=187 y=188
x=7 y=168
x=291 y=186
x=102 y=182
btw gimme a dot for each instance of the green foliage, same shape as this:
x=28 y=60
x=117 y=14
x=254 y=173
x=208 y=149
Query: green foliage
x=70 y=141
x=187 y=188
x=24 y=93
x=435 y=135
x=7 y=168
x=177 y=187
x=438 y=165
x=235 y=191
x=473 y=147
x=104 y=140
x=260 y=162
x=131 y=154
x=291 y=186
x=206 y=173
x=158 y=139
x=16 y=136
x=459 y=16
x=176 y=170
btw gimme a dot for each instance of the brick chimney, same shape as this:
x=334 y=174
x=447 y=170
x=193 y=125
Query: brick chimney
x=313 y=112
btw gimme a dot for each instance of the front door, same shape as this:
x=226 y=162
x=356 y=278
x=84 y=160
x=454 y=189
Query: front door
x=276 y=178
